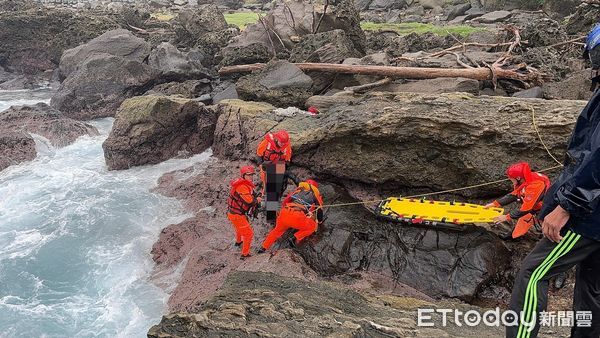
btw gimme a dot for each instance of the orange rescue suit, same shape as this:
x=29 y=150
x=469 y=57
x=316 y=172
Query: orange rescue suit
x=268 y=151
x=531 y=194
x=299 y=211
x=241 y=200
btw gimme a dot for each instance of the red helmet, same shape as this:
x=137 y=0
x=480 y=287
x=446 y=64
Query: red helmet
x=246 y=170
x=313 y=183
x=519 y=171
x=313 y=110
x=282 y=137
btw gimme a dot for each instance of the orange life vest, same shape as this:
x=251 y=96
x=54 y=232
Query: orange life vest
x=273 y=153
x=236 y=203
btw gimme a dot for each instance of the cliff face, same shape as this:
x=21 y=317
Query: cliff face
x=258 y=304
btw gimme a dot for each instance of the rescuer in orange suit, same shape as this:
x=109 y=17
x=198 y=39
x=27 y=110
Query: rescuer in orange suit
x=529 y=189
x=241 y=202
x=274 y=148
x=301 y=210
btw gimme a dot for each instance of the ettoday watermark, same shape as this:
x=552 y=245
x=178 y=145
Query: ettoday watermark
x=497 y=317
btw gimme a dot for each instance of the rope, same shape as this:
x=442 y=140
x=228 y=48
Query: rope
x=434 y=193
x=535 y=127
x=540 y=136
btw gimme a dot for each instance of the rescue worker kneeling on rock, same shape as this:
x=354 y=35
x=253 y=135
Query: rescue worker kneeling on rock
x=529 y=188
x=242 y=201
x=301 y=210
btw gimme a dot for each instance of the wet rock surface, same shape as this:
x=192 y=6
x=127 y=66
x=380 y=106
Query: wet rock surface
x=150 y=129
x=18 y=122
x=16 y=147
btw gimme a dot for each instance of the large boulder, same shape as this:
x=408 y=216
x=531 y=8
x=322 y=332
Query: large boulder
x=99 y=86
x=176 y=65
x=33 y=40
x=204 y=28
x=327 y=47
x=437 y=86
x=118 y=42
x=18 y=122
x=409 y=141
x=191 y=24
x=150 y=129
x=279 y=83
x=286 y=30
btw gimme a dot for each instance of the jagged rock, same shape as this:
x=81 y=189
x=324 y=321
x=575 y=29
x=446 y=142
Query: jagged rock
x=327 y=47
x=562 y=8
x=20 y=82
x=493 y=17
x=18 y=122
x=494 y=5
x=29 y=50
x=279 y=83
x=176 y=65
x=341 y=15
x=240 y=55
x=119 y=42
x=430 y=4
x=458 y=10
x=99 y=86
x=583 y=20
x=381 y=138
x=15 y=147
x=188 y=89
x=362 y=5
x=225 y=91
x=264 y=304
x=541 y=32
x=380 y=5
x=43 y=120
x=191 y=24
x=532 y=93
x=575 y=87
x=150 y=129
x=414 y=42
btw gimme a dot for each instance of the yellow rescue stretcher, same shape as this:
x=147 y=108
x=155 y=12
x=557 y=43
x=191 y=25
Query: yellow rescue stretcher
x=452 y=215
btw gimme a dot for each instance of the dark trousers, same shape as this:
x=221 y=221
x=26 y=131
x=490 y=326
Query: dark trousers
x=548 y=259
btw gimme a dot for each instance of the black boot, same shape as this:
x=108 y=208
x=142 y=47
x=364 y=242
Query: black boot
x=507 y=236
x=560 y=281
x=261 y=250
x=292 y=243
x=238 y=243
x=243 y=257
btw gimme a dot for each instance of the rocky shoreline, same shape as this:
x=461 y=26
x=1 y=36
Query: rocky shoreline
x=373 y=137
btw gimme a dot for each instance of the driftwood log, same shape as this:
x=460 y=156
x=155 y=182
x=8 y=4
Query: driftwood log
x=493 y=72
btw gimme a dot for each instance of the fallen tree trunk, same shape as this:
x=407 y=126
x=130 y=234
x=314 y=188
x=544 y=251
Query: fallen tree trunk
x=492 y=73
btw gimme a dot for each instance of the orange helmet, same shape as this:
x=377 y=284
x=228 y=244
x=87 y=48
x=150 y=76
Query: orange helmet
x=246 y=170
x=313 y=183
x=519 y=171
x=282 y=137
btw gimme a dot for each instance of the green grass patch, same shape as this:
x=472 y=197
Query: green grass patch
x=162 y=16
x=241 y=19
x=420 y=28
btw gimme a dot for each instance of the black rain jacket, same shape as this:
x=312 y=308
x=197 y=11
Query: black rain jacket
x=577 y=189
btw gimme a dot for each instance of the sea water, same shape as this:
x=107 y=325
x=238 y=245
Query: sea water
x=75 y=240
